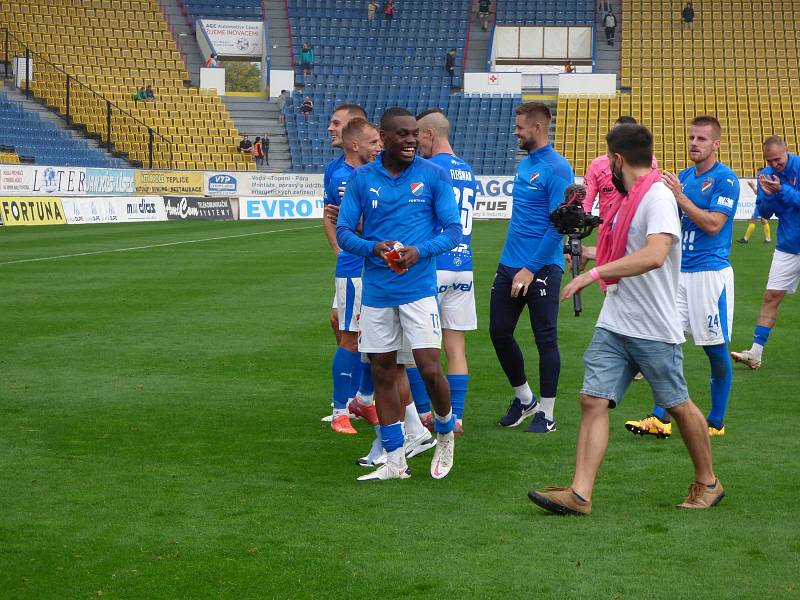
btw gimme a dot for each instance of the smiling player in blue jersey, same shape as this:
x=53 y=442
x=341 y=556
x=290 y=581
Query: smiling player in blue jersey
x=456 y=292
x=779 y=195
x=401 y=197
x=530 y=270
x=707 y=195
x=350 y=374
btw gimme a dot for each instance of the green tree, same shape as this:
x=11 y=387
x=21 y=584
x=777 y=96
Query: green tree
x=241 y=76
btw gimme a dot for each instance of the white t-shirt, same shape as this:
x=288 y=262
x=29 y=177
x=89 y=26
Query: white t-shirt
x=645 y=306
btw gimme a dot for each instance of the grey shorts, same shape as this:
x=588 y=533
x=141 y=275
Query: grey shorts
x=611 y=361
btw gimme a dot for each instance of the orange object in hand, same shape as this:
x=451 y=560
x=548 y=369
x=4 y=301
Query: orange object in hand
x=392 y=256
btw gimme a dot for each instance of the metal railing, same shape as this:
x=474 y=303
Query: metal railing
x=117 y=130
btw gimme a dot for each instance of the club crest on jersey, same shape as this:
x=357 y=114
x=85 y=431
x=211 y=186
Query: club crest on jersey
x=794 y=181
x=707 y=185
x=416 y=188
x=534 y=177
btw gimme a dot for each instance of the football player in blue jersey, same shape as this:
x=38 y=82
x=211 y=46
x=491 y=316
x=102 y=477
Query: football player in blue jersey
x=530 y=270
x=361 y=383
x=707 y=195
x=456 y=292
x=361 y=143
x=779 y=195
x=401 y=197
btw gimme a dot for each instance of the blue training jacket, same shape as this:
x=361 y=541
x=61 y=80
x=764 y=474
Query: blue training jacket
x=784 y=204
x=416 y=208
x=539 y=185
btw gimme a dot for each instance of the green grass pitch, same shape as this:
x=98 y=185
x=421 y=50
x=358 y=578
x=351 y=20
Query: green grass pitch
x=160 y=437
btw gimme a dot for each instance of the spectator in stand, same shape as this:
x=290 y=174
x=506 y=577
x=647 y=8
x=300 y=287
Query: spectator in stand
x=245 y=146
x=450 y=64
x=265 y=147
x=282 y=99
x=307 y=59
x=371 y=10
x=212 y=62
x=483 y=13
x=569 y=67
x=687 y=15
x=258 y=152
x=150 y=96
x=307 y=107
x=140 y=95
x=388 y=10
x=610 y=23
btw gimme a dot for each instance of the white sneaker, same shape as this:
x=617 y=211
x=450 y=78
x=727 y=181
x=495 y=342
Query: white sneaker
x=747 y=357
x=396 y=467
x=443 y=455
x=417 y=445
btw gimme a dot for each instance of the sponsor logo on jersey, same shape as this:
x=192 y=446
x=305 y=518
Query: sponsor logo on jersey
x=707 y=185
x=416 y=188
x=726 y=202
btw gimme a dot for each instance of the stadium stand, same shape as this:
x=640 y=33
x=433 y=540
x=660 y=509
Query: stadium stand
x=388 y=63
x=232 y=10
x=110 y=49
x=739 y=62
x=545 y=12
x=44 y=142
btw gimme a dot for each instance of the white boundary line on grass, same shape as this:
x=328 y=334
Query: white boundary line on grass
x=223 y=237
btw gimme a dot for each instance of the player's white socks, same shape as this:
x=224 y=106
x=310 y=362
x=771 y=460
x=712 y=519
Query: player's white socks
x=444 y=418
x=366 y=399
x=396 y=457
x=546 y=405
x=524 y=393
x=377 y=446
x=413 y=425
x=338 y=412
x=757 y=349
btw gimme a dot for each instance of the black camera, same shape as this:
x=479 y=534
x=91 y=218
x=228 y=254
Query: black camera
x=571 y=220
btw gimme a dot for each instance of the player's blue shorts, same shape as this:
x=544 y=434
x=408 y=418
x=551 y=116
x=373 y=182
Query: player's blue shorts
x=611 y=361
x=756 y=214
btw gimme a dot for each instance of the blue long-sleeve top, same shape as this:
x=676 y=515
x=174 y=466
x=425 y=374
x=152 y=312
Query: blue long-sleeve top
x=416 y=208
x=532 y=240
x=784 y=204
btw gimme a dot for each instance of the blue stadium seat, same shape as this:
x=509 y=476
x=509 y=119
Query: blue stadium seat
x=44 y=142
x=383 y=64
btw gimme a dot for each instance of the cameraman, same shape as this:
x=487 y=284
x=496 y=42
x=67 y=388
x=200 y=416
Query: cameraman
x=638 y=326
x=532 y=258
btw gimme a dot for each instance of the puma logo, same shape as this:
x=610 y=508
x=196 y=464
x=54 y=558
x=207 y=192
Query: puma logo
x=543 y=281
x=377 y=191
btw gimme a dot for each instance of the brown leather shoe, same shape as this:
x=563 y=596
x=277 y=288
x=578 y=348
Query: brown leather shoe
x=700 y=496
x=561 y=501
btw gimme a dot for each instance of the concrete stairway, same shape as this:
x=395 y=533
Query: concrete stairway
x=184 y=36
x=478 y=42
x=278 y=27
x=255 y=115
x=607 y=57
